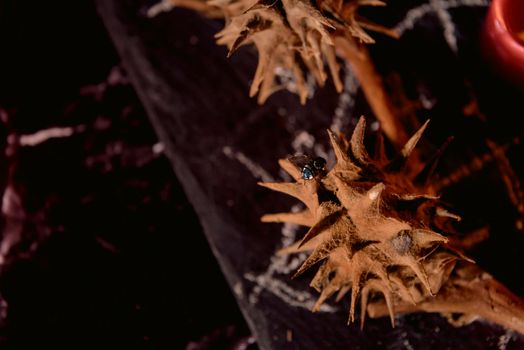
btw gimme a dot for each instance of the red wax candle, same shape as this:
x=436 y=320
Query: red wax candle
x=503 y=38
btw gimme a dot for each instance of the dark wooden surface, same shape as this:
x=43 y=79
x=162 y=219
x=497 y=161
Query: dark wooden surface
x=218 y=140
x=87 y=220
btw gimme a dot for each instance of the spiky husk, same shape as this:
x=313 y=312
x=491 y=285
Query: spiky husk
x=372 y=222
x=290 y=34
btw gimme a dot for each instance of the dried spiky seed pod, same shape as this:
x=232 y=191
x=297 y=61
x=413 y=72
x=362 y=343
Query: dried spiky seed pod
x=371 y=225
x=292 y=33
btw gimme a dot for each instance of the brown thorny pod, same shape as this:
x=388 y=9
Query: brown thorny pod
x=377 y=232
x=290 y=34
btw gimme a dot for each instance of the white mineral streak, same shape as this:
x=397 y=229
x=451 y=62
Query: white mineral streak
x=279 y=265
x=346 y=101
x=47 y=134
x=14 y=216
x=288 y=82
x=256 y=170
x=505 y=338
x=440 y=9
x=158 y=148
x=158 y=8
x=303 y=141
x=284 y=265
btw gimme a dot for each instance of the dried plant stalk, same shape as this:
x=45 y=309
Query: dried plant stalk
x=376 y=228
x=373 y=88
x=471 y=292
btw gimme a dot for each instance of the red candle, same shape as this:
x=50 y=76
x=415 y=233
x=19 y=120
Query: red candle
x=503 y=38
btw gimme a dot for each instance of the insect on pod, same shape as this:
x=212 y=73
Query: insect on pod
x=310 y=167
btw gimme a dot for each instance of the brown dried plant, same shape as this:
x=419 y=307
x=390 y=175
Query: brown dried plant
x=376 y=227
x=290 y=34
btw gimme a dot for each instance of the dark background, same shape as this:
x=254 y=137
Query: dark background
x=100 y=224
